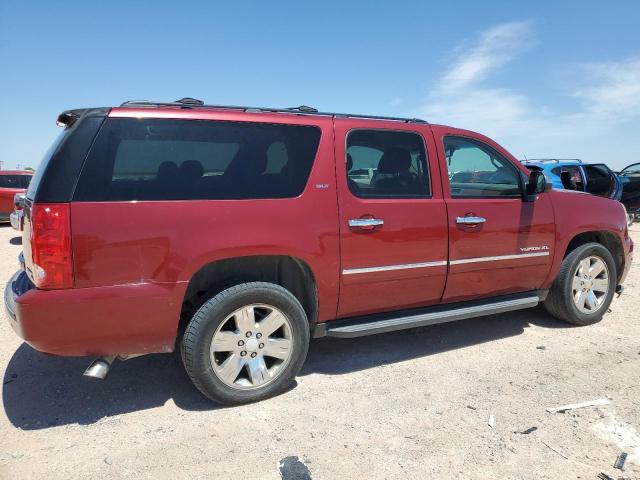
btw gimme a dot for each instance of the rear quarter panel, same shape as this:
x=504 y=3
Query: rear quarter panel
x=166 y=242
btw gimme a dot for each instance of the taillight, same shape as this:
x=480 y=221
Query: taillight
x=51 y=245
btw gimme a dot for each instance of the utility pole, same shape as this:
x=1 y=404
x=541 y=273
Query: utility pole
x=1 y=164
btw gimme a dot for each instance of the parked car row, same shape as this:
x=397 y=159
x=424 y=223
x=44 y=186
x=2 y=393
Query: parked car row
x=13 y=185
x=630 y=178
x=594 y=178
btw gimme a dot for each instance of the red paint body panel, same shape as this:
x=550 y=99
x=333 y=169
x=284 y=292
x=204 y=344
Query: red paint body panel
x=7 y=194
x=132 y=261
x=512 y=224
x=414 y=231
x=102 y=320
x=118 y=243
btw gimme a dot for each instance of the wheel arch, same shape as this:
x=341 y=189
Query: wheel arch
x=289 y=272
x=607 y=239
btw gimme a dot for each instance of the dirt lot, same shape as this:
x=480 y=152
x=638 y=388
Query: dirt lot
x=413 y=404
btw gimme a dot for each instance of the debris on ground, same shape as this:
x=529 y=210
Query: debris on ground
x=291 y=468
x=604 y=476
x=541 y=347
x=492 y=421
x=471 y=407
x=527 y=431
x=108 y=460
x=555 y=450
x=619 y=463
x=572 y=406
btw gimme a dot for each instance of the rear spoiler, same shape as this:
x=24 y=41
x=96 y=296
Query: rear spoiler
x=68 y=118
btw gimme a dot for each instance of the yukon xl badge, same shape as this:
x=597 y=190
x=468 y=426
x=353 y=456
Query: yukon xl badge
x=534 y=249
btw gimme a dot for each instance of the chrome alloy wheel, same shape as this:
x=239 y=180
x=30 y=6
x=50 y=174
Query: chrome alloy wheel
x=590 y=284
x=251 y=347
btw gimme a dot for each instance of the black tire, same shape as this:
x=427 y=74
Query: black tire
x=559 y=301
x=196 y=342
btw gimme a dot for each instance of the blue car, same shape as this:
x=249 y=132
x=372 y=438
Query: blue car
x=570 y=174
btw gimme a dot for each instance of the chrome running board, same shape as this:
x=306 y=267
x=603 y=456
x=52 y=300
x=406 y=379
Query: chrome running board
x=388 y=322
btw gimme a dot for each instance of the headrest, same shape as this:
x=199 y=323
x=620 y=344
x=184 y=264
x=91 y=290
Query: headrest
x=394 y=160
x=191 y=169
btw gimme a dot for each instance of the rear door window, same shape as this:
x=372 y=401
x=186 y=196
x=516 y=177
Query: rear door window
x=387 y=164
x=570 y=176
x=160 y=159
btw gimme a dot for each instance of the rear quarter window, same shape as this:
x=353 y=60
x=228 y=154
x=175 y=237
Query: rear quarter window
x=161 y=159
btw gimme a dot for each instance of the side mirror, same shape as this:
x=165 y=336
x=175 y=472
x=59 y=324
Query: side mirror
x=536 y=185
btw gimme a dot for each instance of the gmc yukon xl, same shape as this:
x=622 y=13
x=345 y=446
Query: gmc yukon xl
x=236 y=234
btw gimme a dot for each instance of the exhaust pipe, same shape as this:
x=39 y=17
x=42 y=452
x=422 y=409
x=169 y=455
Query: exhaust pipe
x=99 y=368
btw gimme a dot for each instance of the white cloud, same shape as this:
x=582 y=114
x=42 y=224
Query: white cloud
x=606 y=98
x=614 y=88
x=495 y=48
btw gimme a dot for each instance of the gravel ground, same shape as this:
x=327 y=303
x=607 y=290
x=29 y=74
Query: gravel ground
x=412 y=404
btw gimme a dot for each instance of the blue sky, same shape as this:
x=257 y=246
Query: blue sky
x=559 y=79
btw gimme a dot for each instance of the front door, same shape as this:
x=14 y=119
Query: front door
x=393 y=224
x=498 y=243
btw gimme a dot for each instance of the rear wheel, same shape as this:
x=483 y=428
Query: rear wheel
x=247 y=343
x=584 y=287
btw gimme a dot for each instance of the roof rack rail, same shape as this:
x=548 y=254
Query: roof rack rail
x=555 y=160
x=301 y=110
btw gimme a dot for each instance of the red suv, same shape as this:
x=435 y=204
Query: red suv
x=12 y=182
x=236 y=234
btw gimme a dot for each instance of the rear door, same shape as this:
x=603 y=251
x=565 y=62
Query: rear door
x=599 y=180
x=498 y=243
x=393 y=224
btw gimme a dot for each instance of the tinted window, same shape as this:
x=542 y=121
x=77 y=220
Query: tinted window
x=14 y=181
x=477 y=170
x=599 y=180
x=387 y=164
x=158 y=159
x=571 y=177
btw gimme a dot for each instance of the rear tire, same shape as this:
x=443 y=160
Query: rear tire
x=583 y=290
x=246 y=344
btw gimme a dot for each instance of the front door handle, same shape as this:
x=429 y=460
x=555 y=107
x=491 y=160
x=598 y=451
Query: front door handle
x=365 y=223
x=470 y=220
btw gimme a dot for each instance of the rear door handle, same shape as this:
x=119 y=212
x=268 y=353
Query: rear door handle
x=365 y=223
x=470 y=220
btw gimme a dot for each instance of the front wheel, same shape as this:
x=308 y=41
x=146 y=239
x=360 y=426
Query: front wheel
x=584 y=287
x=246 y=343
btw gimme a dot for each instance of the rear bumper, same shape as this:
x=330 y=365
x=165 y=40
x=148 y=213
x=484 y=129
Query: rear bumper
x=122 y=319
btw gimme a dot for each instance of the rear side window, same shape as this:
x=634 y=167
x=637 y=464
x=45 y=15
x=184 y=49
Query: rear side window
x=14 y=181
x=570 y=177
x=159 y=159
x=387 y=164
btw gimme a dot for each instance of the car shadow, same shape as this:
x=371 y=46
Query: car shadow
x=42 y=391
x=15 y=241
x=337 y=356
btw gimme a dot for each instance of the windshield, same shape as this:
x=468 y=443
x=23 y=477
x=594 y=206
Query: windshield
x=631 y=170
